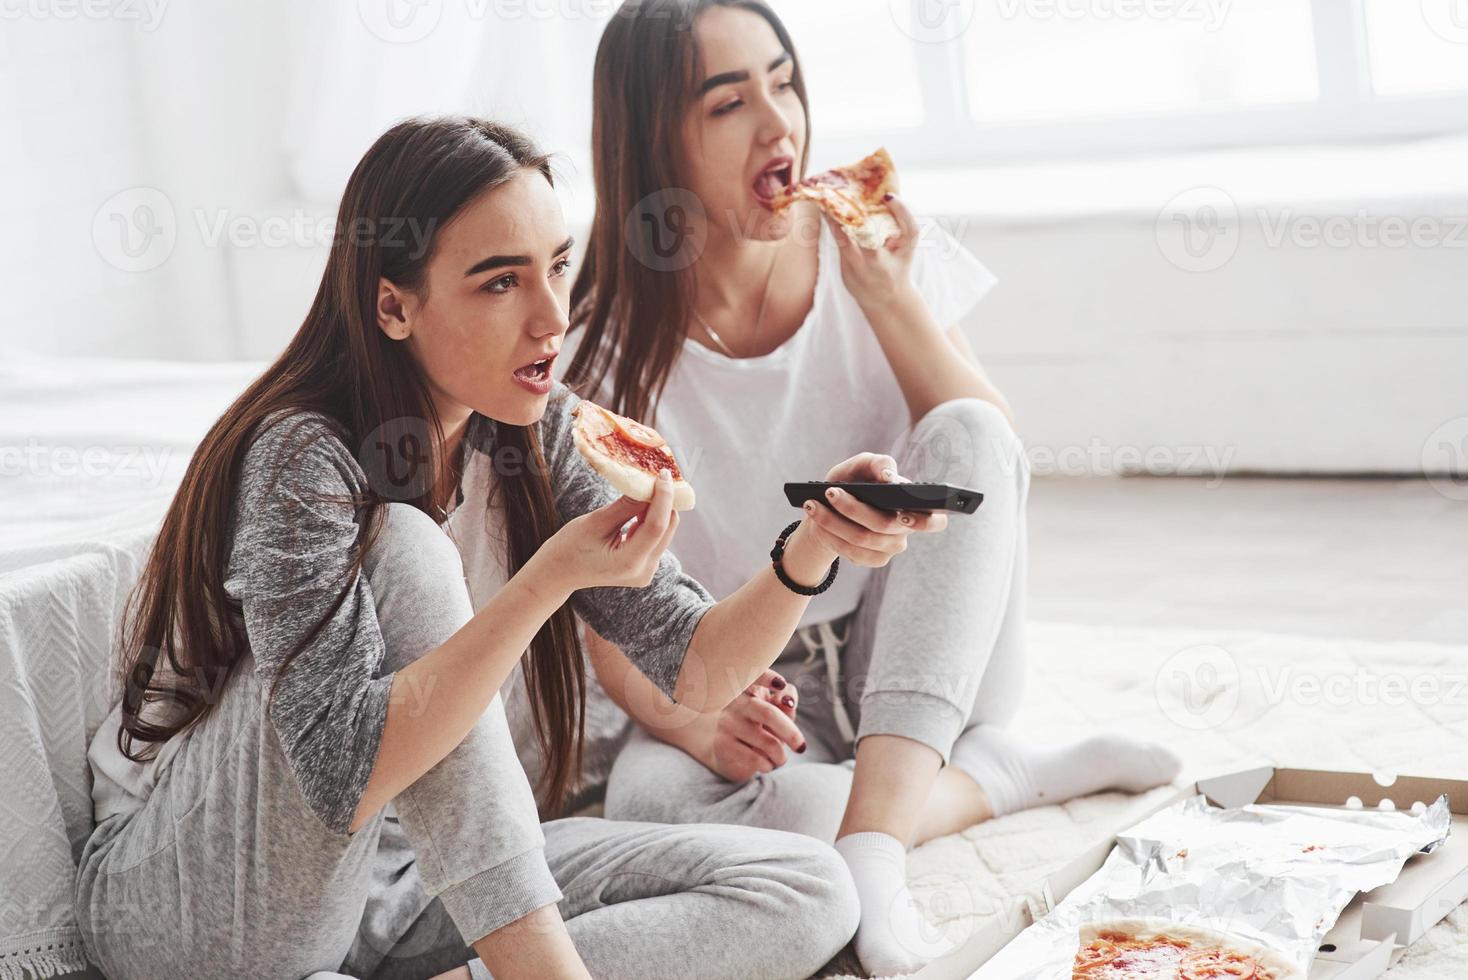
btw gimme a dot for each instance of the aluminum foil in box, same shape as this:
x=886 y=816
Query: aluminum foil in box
x=1269 y=874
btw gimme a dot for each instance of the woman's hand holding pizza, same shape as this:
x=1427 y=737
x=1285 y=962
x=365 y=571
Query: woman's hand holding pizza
x=600 y=548
x=859 y=532
x=755 y=733
x=875 y=276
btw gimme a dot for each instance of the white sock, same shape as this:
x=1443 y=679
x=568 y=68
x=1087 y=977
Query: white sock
x=893 y=937
x=1016 y=776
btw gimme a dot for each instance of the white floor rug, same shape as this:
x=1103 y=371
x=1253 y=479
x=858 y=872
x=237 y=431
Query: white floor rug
x=1226 y=700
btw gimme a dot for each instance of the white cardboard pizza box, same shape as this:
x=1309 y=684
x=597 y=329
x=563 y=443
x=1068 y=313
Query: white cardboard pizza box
x=1371 y=932
x=1430 y=885
x=1344 y=955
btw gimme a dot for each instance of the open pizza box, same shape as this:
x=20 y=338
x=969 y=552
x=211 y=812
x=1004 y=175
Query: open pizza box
x=1372 y=932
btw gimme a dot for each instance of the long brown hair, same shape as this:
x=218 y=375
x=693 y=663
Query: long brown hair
x=636 y=314
x=412 y=182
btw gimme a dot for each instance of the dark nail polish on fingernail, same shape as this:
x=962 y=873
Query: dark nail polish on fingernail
x=788 y=701
x=887 y=198
x=778 y=683
x=833 y=493
x=802 y=747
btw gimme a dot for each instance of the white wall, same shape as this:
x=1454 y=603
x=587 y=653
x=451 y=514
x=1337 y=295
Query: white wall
x=1293 y=360
x=1286 y=349
x=1289 y=356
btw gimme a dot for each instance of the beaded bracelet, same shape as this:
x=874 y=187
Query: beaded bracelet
x=778 y=552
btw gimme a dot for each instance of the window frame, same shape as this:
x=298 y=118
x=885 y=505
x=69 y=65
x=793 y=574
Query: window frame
x=1348 y=110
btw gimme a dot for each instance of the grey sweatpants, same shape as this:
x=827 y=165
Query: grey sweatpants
x=226 y=872
x=934 y=651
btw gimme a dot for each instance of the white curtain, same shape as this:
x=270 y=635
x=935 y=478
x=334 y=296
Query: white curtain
x=157 y=116
x=355 y=73
x=216 y=112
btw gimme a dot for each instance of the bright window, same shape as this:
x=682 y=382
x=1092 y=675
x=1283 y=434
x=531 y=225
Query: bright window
x=953 y=82
x=859 y=78
x=1066 y=59
x=1419 y=46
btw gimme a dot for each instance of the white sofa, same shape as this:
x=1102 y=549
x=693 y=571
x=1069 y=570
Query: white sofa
x=91 y=452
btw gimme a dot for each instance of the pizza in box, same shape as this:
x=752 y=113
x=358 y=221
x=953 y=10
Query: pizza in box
x=1156 y=949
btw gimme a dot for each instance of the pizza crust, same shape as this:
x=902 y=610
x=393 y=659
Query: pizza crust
x=627 y=479
x=875 y=231
x=1144 y=929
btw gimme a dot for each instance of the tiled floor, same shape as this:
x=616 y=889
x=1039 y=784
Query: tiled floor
x=1378 y=559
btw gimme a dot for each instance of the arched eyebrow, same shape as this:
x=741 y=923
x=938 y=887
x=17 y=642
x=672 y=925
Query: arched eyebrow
x=501 y=261
x=735 y=77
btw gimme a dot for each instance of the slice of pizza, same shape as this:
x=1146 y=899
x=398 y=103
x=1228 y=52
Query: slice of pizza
x=1156 y=949
x=627 y=454
x=854 y=196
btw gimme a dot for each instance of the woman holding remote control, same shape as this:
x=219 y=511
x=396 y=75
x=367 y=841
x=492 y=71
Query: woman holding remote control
x=382 y=529
x=766 y=344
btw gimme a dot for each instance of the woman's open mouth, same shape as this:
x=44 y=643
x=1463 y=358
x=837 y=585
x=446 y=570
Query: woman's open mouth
x=772 y=181
x=536 y=377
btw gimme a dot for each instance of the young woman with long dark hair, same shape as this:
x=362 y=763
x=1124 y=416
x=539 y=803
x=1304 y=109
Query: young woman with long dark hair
x=767 y=344
x=301 y=654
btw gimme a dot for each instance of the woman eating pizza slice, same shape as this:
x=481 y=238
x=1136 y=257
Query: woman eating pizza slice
x=761 y=343
x=389 y=524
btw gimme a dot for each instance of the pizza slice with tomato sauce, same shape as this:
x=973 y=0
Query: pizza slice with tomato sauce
x=1154 y=949
x=855 y=196
x=627 y=454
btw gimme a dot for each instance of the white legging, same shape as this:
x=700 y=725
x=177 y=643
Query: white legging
x=934 y=652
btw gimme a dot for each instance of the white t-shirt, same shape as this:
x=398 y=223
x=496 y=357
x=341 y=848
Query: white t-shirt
x=479 y=531
x=120 y=785
x=742 y=428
